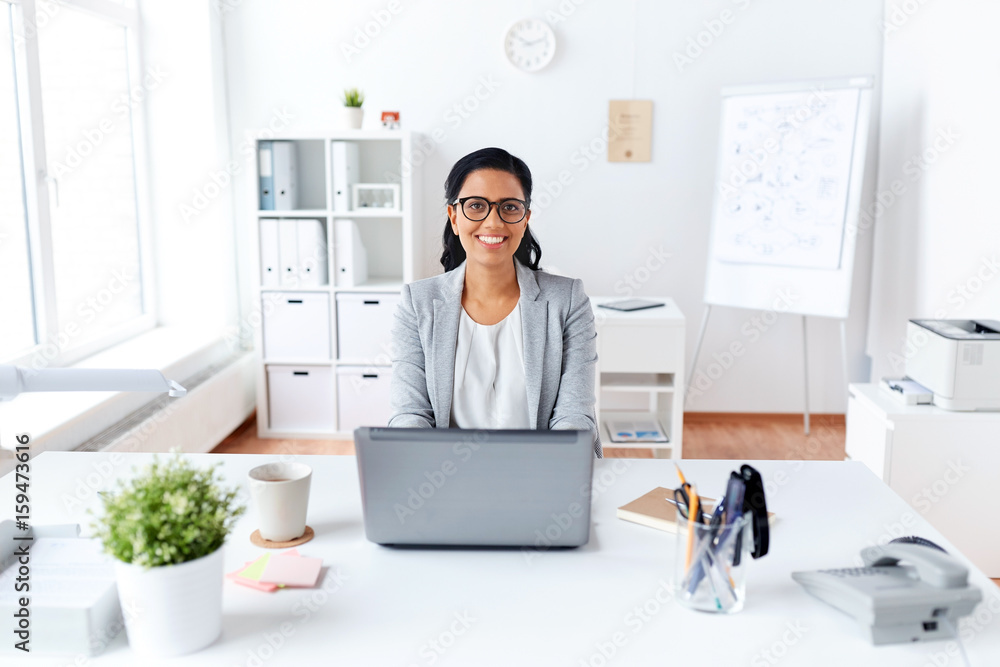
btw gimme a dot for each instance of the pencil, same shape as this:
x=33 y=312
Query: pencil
x=692 y=514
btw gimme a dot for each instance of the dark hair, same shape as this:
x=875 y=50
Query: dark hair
x=528 y=252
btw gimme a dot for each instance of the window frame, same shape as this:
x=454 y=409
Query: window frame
x=38 y=185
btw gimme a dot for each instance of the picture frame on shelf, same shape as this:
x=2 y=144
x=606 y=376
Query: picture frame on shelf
x=371 y=196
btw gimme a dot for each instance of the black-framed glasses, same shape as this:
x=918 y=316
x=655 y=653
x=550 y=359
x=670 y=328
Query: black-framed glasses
x=477 y=209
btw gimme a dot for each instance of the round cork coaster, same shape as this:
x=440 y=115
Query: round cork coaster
x=268 y=544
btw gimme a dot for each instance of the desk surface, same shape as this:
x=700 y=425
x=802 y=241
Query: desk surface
x=667 y=314
x=888 y=407
x=604 y=604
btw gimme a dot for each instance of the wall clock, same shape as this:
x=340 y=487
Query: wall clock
x=530 y=44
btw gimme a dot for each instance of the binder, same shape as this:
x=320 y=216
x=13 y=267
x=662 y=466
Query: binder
x=352 y=259
x=288 y=253
x=285 y=177
x=312 y=253
x=345 y=168
x=270 y=270
x=266 y=170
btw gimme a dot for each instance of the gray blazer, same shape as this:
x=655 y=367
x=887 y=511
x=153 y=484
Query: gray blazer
x=560 y=351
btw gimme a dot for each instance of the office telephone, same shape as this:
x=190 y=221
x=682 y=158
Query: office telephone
x=907 y=591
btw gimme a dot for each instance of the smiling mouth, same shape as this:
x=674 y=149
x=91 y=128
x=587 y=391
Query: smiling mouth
x=491 y=241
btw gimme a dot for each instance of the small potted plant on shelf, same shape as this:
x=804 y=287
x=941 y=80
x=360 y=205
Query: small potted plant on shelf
x=166 y=528
x=353 y=113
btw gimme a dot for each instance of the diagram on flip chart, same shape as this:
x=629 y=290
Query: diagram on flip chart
x=784 y=174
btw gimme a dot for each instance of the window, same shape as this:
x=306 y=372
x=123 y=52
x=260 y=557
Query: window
x=16 y=303
x=73 y=252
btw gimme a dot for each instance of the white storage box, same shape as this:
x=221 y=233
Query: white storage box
x=300 y=399
x=363 y=396
x=296 y=325
x=364 y=326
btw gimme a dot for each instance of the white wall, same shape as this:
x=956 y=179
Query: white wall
x=434 y=56
x=937 y=250
x=192 y=216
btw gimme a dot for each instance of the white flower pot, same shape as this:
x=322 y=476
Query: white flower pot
x=172 y=609
x=351 y=117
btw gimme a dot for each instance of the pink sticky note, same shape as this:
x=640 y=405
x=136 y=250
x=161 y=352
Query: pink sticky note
x=250 y=583
x=292 y=570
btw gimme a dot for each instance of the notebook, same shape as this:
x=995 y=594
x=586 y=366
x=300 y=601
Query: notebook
x=655 y=511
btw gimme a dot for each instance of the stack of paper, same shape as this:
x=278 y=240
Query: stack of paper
x=636 y=431
x=273 y=571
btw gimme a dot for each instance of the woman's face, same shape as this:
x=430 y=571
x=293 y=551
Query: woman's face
x=490 y=242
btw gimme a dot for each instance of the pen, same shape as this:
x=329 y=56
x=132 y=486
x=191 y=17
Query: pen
x=692 y=514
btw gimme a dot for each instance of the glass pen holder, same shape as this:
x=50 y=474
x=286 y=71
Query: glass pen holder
x=711 y=565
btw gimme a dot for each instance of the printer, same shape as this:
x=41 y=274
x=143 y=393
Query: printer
x=957 y=360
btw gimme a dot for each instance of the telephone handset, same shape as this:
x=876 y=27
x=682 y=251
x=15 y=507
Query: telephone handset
x=907 y=591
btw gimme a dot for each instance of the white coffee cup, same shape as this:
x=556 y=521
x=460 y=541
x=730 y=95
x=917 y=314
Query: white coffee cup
x=280 y=494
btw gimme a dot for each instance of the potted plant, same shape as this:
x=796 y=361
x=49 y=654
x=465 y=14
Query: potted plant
x=165 y=528
x=353 y=113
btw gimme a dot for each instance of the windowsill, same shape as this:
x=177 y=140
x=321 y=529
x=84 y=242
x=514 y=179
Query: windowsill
x=61 y=421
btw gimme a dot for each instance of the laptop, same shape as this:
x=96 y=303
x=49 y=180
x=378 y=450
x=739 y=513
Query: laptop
x=475 y=487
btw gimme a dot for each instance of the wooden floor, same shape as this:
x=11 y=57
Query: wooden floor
x=706 y=436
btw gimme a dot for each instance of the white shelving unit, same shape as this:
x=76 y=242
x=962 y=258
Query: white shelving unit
x=640 y=371
x=326 y=396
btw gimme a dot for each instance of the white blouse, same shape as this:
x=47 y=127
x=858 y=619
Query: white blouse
x=489 y=387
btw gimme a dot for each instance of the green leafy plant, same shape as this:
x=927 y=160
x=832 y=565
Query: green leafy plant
x=171 y=513
x=353 y=97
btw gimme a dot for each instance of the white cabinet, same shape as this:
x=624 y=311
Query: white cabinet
x=300 y=399
x=363 y=396
x=296 y=325
x=945 y=464
x=308 y=326
x=364 y=326
x=640 y=370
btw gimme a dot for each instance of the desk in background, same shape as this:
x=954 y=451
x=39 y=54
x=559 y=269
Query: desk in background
x=607 y=603
x=640 y=357
x=944 y=463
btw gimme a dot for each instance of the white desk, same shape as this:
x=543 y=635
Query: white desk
x=943 y=462
x=497 y=607
x=640 y=369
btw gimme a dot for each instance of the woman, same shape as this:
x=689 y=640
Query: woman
x=493 y=342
